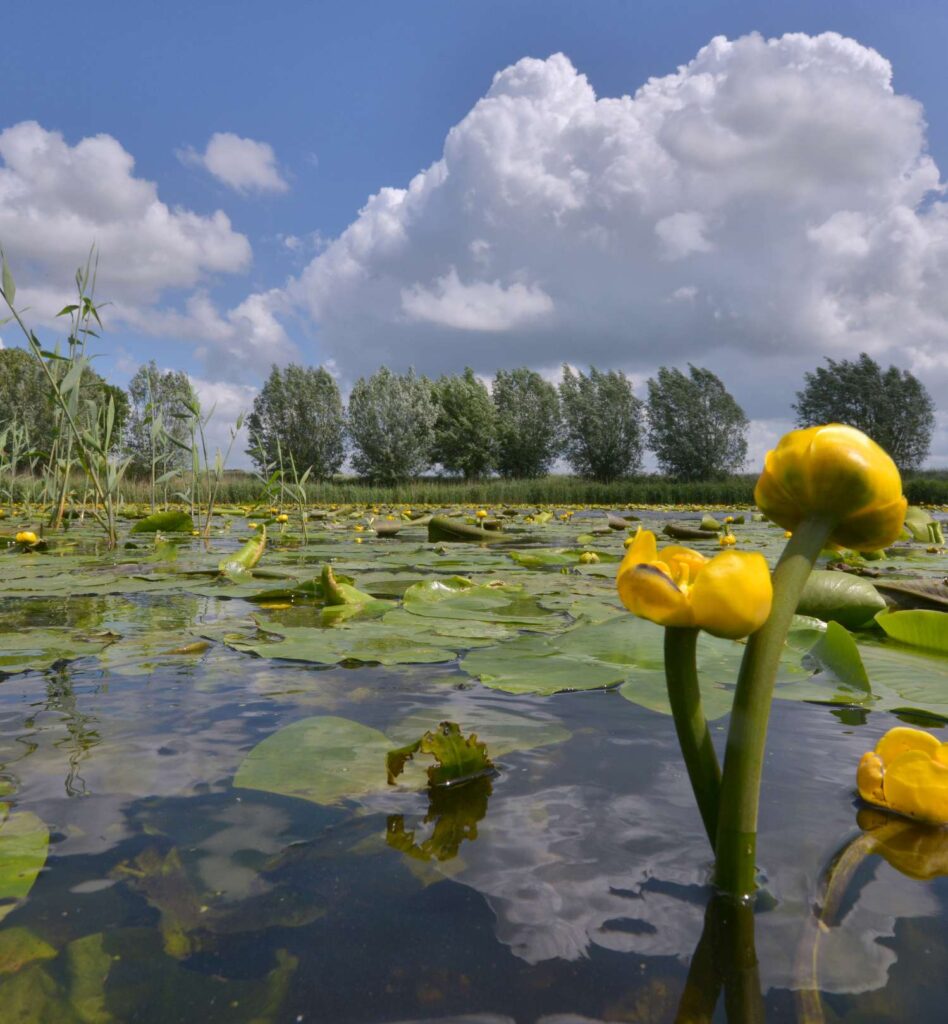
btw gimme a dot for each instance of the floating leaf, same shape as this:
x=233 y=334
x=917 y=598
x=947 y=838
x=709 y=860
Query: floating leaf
x=458 y=758
x=906 y=594
x=840 y=597
x=40 y=648
x=247 y=557
x=681 y=532
x=443 y=528
x=918 y=628
x=837 y=651
x=172 y=521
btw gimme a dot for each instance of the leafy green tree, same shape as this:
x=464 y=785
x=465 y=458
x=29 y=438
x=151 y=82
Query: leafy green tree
x=298 y=414
x=695 y=428
x=465 y=432
x=159 y=415
x=26 y=398
x=893 y=406
x=391 y=420
x=603 y=424
x=528 y=423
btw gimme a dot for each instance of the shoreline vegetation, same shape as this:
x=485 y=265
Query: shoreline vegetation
x=238 y=487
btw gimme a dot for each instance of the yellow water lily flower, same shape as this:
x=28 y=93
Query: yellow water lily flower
x=481 y=513
x=907 y=773
x=282 y=518
x=728 y=595
x=26 y=537
x=726 y=540
x=588 y=558
x=835 y=473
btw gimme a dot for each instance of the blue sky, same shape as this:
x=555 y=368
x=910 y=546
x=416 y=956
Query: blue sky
x=355 y=97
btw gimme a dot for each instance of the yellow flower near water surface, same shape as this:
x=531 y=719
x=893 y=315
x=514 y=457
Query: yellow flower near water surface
x=26 y=537
x=907 y=773
x=728 y=595
x=282 y=518
x=835 y=473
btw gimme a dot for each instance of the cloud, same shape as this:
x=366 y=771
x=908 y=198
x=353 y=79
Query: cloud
x=244 y=165
x=228 y=401
x=57 y=199
x=481 y=306
x=768 y=203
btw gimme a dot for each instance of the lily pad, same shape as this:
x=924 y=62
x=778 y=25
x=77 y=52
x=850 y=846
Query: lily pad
x=840 y=597
x=918 y=628
x=172 y=521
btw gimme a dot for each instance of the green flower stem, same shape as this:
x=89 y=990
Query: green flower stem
x=736 y=844
x=694 y=738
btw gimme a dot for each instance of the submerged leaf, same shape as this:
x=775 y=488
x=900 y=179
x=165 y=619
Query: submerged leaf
x=24 y=842
x=322 y=759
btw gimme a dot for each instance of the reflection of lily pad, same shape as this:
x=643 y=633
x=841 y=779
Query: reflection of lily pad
x=39 y=648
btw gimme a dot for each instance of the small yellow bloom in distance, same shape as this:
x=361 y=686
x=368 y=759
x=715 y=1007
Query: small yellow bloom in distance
x=588 y=558
x=907 y=773
x=729 y=595
x=282 y=518
x=358 y=528
x=726 y=540
x=838 y=474
x=253 y=526
x=26 y=537
x=481 y=513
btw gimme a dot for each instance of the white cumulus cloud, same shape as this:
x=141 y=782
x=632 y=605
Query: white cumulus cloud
x=766 y=204
x=244 y=165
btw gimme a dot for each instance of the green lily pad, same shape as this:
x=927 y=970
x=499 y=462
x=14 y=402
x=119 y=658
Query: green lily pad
x=841 y=597
x=919 y=628
x=837 y=651
x=172 y=521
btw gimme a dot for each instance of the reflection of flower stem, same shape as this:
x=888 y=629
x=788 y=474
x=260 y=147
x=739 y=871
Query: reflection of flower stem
x=694 y=738
x=725 y=956
x=736 y=845
x=82 y=736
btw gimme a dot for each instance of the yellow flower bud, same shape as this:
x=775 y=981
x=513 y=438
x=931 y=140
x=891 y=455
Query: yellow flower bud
x=588 y=558
x=481 y=513
x=253 y=526
x=282 y=518
x=907 y=773
x=26 y=537
x=838 y=474
x=729 y=595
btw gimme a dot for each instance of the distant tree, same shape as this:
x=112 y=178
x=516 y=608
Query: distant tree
x=528 y=423
x=893 y=406
x=465 y=432
x=603 y=423
x=695 y=427
x=26 y=399
x=298 y=414
x=158 y=412
x=391 y=421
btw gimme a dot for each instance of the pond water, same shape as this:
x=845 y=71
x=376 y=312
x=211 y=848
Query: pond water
x=208 y=766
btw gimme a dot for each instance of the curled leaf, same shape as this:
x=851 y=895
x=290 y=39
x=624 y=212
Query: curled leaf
x=457 y=758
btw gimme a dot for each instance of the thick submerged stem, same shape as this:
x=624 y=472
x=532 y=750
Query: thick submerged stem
x=736 y=844
x=684 y=695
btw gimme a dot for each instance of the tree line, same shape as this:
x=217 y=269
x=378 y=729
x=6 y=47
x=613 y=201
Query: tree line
x=398 y=426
